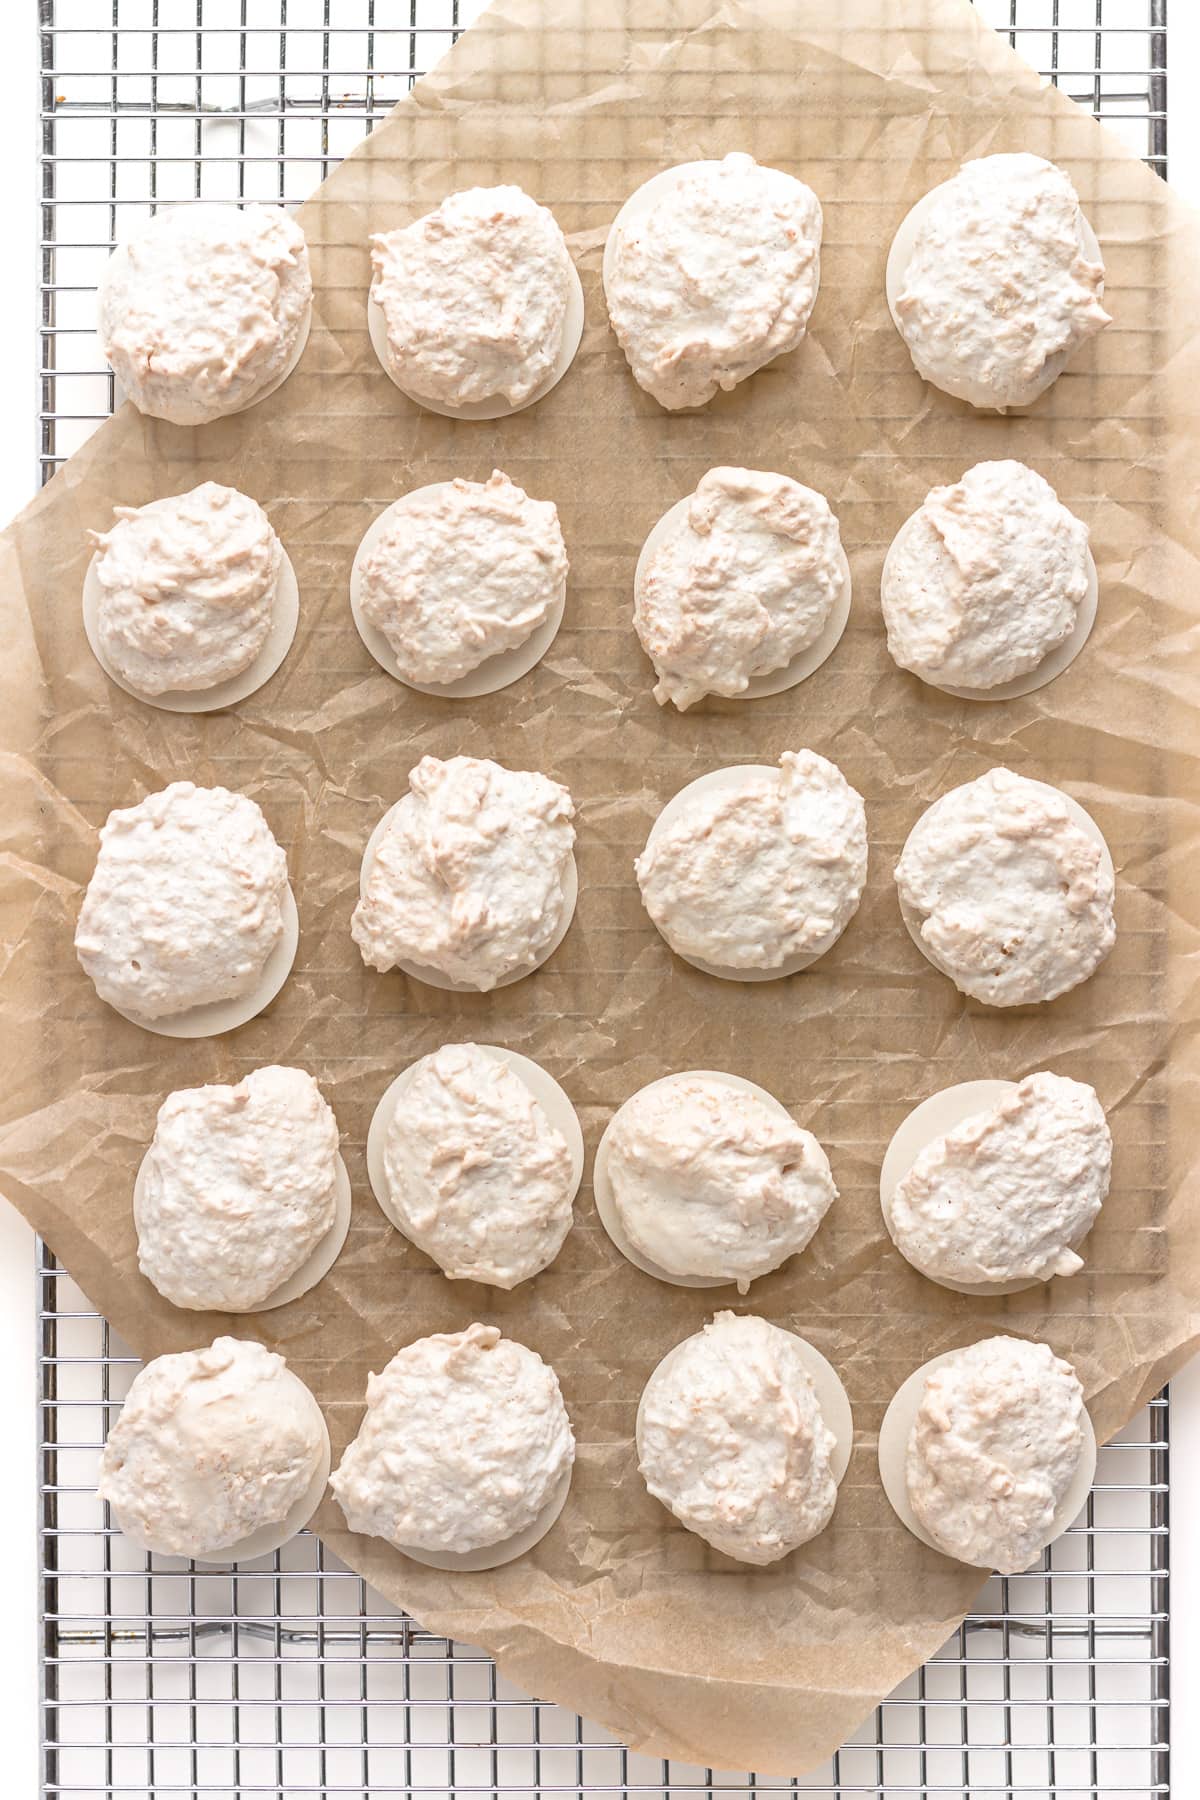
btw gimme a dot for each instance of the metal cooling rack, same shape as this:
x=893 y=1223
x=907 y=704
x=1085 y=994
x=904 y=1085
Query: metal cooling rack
x=289 y=1676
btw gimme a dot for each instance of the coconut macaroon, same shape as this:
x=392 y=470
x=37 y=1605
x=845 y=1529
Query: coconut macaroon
x=211 y=1447
x=477 y=1175
x=474 y=298
x=1006 y=891
x=711 y=270
x=740 y=584
x=752 y=875
x=465 y=1443
x=465 y=571
x=1001 y=282
x=985 y=579
x=470 y=875
x=995 y=1445
x=710 y=1179
x=185 y=904
x=203 y=312
x=1007 y=1194
x=237 y=1189
x=731 y=1438
x=186 y=586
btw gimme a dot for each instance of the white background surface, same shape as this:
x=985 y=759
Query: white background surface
x=20 y=222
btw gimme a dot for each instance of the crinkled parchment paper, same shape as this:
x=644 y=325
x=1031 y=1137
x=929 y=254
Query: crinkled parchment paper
x=619 y=1613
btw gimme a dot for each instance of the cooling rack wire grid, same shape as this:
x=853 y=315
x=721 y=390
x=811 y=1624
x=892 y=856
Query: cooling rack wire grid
x=289 y=1676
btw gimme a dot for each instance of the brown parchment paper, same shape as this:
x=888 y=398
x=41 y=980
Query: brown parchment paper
x=619 y=1613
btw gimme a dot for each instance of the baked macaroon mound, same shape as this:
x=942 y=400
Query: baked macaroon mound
x=732 y=1440
x=750 y=877
x=996 y=1442
x=1010 y=896
x=478 y=1176
x=237 y=1189
x=708 y=1180
x=713 y=278
x=210 y=1446
x=185 y=903
x=186 y=587
x=998 y=290
x=739 y=587
x=465 y=572
x=470 y=874
x=204 y=309
x=465 y=1441
x=1006 y=1195
x=474 y=297
x=985 y=579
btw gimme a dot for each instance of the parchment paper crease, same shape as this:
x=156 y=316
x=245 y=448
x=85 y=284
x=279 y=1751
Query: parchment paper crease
x=619 y=1613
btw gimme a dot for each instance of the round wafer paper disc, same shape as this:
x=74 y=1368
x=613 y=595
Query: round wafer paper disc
x=316 y=1264
x=546 y=1091
x=1051 y=666
x=434 y=977
x=913 y=919
x=276 y=382
x=606 y=1206
x=832 y=1399
x=218 y=1016
x=285 y=617
x=896 y=1430
x=274 y=1534
x=497 y=407
x=933 y=1119
x=489 y=677
x=494 y=1556
x=900 y=255
x=731 y=780
x=806 y=662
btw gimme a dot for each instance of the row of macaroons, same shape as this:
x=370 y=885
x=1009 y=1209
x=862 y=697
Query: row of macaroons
x=189 y=927
x=464 y=1454
x=701 y=1179
x=458 y=589
x=711 y=271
